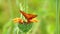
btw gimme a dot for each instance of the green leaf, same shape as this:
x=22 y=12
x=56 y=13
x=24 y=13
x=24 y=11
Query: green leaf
x=25 y=27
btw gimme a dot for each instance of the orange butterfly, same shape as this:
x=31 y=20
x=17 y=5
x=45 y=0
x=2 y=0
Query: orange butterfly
x=30 y=18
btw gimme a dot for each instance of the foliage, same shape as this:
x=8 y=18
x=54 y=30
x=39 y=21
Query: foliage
x=45 y=9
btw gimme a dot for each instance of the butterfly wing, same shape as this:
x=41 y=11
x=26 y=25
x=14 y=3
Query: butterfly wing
x=28 y=16
x=31 y=16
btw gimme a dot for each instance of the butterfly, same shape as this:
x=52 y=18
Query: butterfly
x=29 y=17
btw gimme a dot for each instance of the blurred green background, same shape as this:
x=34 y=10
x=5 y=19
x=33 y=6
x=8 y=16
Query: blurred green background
x=45 y=9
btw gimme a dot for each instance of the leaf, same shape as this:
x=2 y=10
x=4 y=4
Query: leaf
x=25 y=27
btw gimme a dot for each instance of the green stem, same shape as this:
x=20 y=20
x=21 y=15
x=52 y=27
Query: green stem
x=9 y=23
